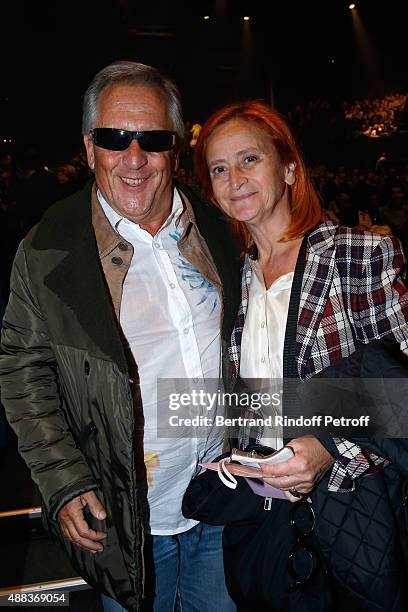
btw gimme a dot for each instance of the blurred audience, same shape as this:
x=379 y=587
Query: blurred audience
x=355 y=189
x=29 y=184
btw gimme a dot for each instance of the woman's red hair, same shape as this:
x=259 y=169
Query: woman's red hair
x=305 y=205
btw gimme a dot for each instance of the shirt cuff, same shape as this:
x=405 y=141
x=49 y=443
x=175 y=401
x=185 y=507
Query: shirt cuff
x=351 y=462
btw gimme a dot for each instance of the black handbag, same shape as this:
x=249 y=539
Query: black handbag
x=258 y=540
x=208 y=500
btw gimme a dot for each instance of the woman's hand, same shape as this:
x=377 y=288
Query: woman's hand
x=302 y=472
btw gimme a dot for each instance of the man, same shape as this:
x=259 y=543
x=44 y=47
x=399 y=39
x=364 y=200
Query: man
x=127 y=281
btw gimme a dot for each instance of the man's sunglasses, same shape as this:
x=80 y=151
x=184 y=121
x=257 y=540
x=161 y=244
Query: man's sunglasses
x=152 y=141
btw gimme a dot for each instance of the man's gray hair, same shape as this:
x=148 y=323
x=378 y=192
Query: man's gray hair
x=139 y=75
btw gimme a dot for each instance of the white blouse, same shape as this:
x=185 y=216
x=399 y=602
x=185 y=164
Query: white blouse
x=263 y=342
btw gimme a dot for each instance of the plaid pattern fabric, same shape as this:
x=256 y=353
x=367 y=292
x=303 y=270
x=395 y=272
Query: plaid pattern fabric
x=234 y=349
x=352 y=293
x=351 y=463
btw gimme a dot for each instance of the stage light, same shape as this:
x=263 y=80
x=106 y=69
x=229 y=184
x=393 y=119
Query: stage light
x=206 y=17
x=352 y=6
x=246 y=18
x=371 y=63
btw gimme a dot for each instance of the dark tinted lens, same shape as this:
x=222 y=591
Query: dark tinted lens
x=118 y=140
x=156 y=140
x=302 y=517
x=302 y=560
x=302 y=563
x=112 y=139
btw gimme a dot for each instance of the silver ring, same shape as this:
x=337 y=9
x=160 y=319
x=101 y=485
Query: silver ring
x=293 y=491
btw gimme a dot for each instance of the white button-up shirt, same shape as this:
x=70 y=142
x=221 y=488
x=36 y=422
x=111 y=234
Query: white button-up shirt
x=263 y=341
x=170 y=316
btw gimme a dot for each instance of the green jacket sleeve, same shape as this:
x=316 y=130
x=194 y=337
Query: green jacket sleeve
x=30 y=394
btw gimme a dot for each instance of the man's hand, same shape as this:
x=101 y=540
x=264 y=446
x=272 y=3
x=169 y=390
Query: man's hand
x=74 y=526
x=302 y=471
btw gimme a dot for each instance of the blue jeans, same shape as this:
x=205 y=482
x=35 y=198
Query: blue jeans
x=187 y=574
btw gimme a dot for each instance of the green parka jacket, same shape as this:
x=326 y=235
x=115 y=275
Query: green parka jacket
x=65 y=381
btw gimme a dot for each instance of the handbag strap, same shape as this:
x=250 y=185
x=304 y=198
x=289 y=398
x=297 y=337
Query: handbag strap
x=289 y=350
x=290 y=397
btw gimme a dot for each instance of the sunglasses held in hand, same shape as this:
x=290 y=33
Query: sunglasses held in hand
x=152 y=141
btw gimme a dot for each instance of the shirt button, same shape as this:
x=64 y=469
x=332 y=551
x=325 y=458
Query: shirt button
x=263 y=359
x=263 y=324
x=186 y=330
x=157 y=245
x=172 y=285
x=117 y=261
x=195 y=380
x=122 y=246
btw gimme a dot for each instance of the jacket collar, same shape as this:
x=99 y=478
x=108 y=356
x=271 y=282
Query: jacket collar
x=106 y=237
x=223 y=246
x=77 y=279
x=321 y=238
x=317 y=281
x=314 y=290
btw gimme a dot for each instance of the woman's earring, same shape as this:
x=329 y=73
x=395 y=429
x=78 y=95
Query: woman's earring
x=290 y=177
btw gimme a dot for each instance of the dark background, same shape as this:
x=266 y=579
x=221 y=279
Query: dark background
x=299 y=50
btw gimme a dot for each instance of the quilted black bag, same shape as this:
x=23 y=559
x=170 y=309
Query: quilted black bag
x=363 y=534
x=363 y=537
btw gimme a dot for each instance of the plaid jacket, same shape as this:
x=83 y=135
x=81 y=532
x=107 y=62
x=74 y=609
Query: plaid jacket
x=352 y=293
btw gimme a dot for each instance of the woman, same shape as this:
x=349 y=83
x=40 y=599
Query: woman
x=312 y=292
